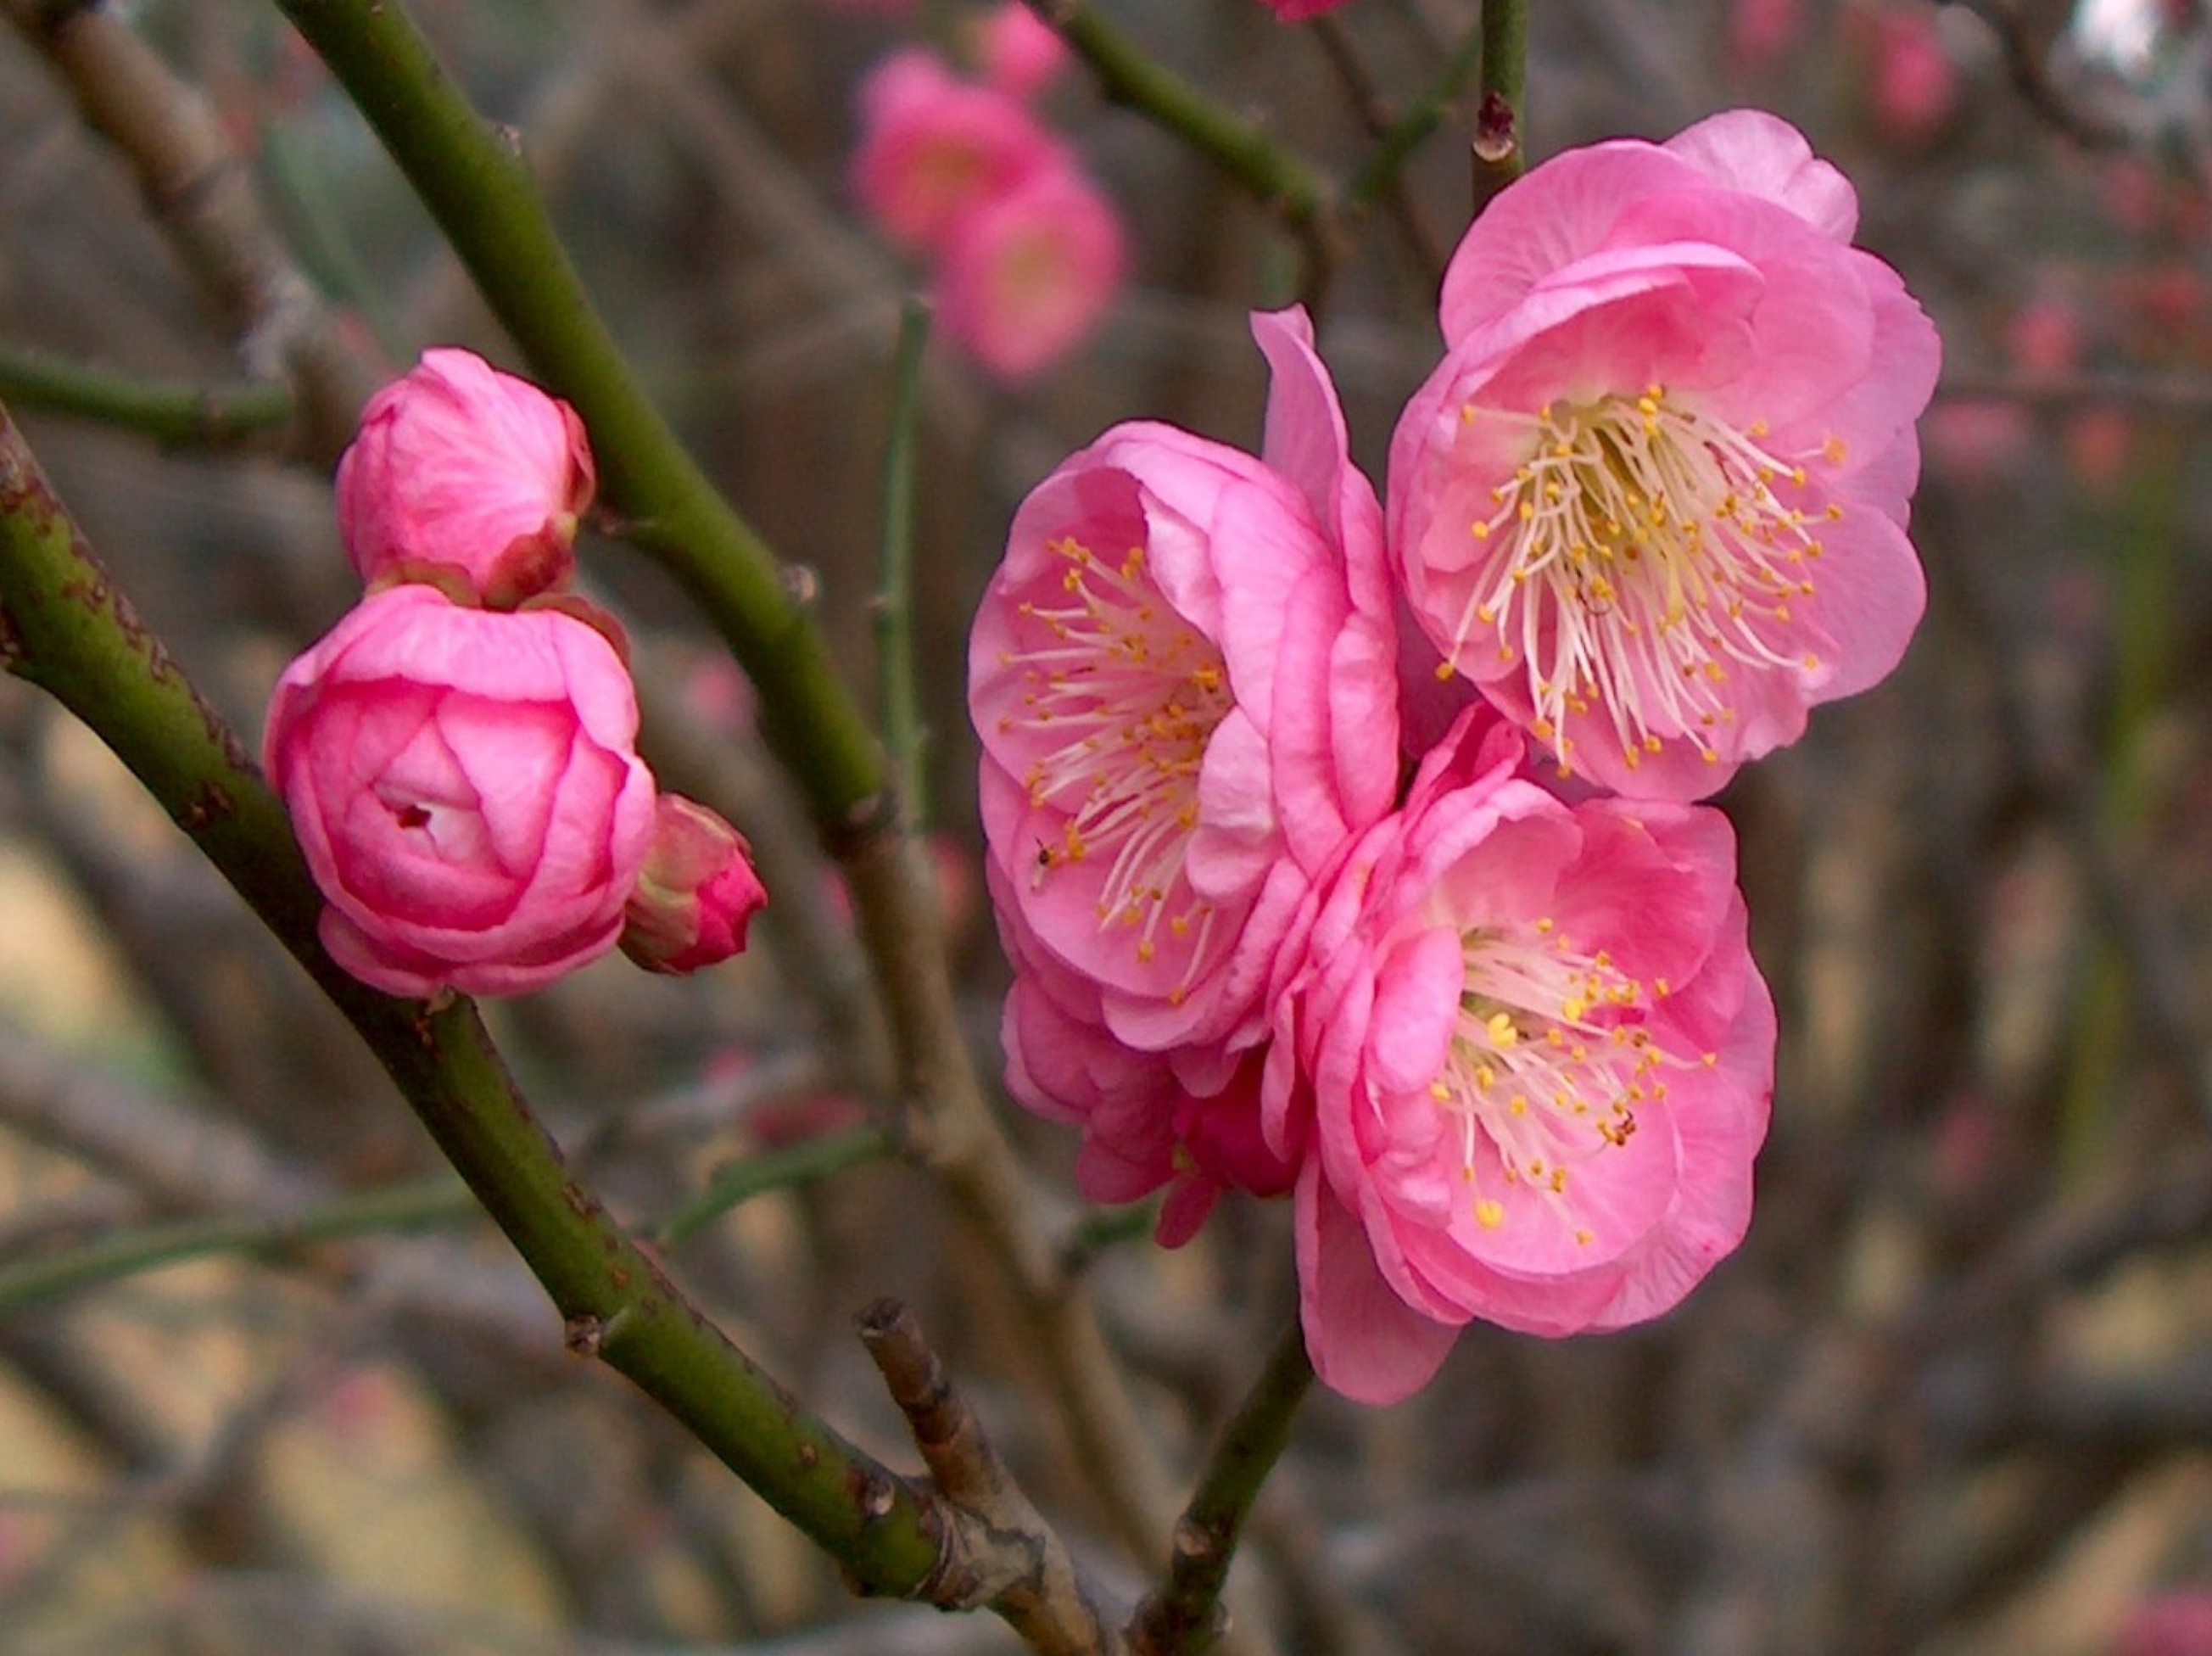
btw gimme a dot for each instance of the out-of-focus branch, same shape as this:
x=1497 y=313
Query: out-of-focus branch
x=65 y=627
x=203 y=198
x=207 y=417
x=1394 y=138
x=2024 y=36
x=903 y=728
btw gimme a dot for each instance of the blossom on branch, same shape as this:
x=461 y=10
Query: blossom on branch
x=464 y=475
x=1184 y=678
x=465 y=787
x=1652 y=502
x=1532 y=1057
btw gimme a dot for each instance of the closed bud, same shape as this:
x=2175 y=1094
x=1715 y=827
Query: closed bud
x=696 y=895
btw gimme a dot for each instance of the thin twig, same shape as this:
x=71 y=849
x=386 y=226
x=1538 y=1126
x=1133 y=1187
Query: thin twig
x=904 y=730
x=1385 y=129
x=198 y=415
x=1184 y=1617
x=1501 y=120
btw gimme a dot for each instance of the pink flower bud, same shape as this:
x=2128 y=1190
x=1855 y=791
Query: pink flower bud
x=697 y=893
x=1016 y=50
x=466 y=788
x=461 y=470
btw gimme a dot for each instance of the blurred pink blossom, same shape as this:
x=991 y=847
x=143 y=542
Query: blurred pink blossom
x=1980 y=442
x=934 y=149
x=2178 y=1623
x=695 y=894
x=1762 y=33
x=1297 y=11
x=1028 y=273
x=1914 y=85
x=466 y=790
x=1183 y=675
x=1016 y=51
x=462 y=474
x=1533 y=1059
x=1651 y=503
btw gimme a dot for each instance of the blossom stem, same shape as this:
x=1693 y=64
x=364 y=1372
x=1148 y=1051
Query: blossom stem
x=477 y=183
x=168 y=411
x=1501 y=120
x=1297 y=194
x=66 y=627
x=1183 y=1617
x=903 y=731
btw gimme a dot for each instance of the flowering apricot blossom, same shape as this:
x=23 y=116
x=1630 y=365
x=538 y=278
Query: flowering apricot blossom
x=1651 y=503
x=1184 y=678
x=1533 y=1058
x=1030 y=272
x=932 y=148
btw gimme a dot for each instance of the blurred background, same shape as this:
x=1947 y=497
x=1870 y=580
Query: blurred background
x=1953 y=1396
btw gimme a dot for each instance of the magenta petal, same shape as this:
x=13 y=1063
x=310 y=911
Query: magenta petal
x=1365 y=1343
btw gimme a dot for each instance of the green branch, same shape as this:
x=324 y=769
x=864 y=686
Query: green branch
x=1380 y=170
x=66 y=627
x=784 y=1169
x=1501 y=120
x=196 y=415
x=903 y=728
x=1295 y=193
x=128 y=1252
x=477 y=183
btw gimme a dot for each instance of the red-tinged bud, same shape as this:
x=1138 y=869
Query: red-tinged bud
x=696 y=894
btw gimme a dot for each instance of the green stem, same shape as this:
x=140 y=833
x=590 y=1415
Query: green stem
x=200 y=415
x=127 y=1253
x=774 y=1169
x=1295 y=193
x=904 y=730
x=1380 y=170
x=66 y=627
x=1501 y=120
x=1183 y=1618
x=477 y=183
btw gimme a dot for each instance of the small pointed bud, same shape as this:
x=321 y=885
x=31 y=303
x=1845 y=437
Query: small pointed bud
x=696 y=895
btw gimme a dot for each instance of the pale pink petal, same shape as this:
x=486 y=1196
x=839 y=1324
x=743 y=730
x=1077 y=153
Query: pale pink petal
x=1762 y=155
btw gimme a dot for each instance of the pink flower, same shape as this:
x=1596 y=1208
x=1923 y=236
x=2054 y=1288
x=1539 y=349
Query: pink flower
x=1916 y=85
x=1016 y=50
x=1184 y=678
x=466 y=789
x=1652 y=502
x=695 y=894
x=1029 y=272
x=1529 y=1046
x=934 y=149
x=2176 y=1623
x=1297 y=11
x=465 y=473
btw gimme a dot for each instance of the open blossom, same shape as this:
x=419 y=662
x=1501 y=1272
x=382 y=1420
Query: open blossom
x=464 y=473
x=1652 y=502
x=465 y=787
x=1533 y=1057
x=1184 y=678
x=1016 y=50
x=934 y=147
x=1030 y=272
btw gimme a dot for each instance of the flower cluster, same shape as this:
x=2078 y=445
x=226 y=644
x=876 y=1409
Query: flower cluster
x=1026 y=251
x=458 y=754
x=1353 y=851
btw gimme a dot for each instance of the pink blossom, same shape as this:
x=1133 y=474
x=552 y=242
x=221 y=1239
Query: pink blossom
x=1529 y=1046
x=1763 y=33
x=1916 y=84
x=1016 y=50
x=1184 y=678
x=1297 y=11
x=1029 y=273
x=462 y=474
x=695 y=894
x=1652 y=502
x=465 y=786
x=2177 y=1623
x=934 y=149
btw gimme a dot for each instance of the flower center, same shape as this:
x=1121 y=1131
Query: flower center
x=1642 y=553
x=1550 y=1063
x=1128 y=694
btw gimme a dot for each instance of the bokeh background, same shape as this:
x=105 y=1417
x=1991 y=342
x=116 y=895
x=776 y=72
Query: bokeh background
x=1955 y=1395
